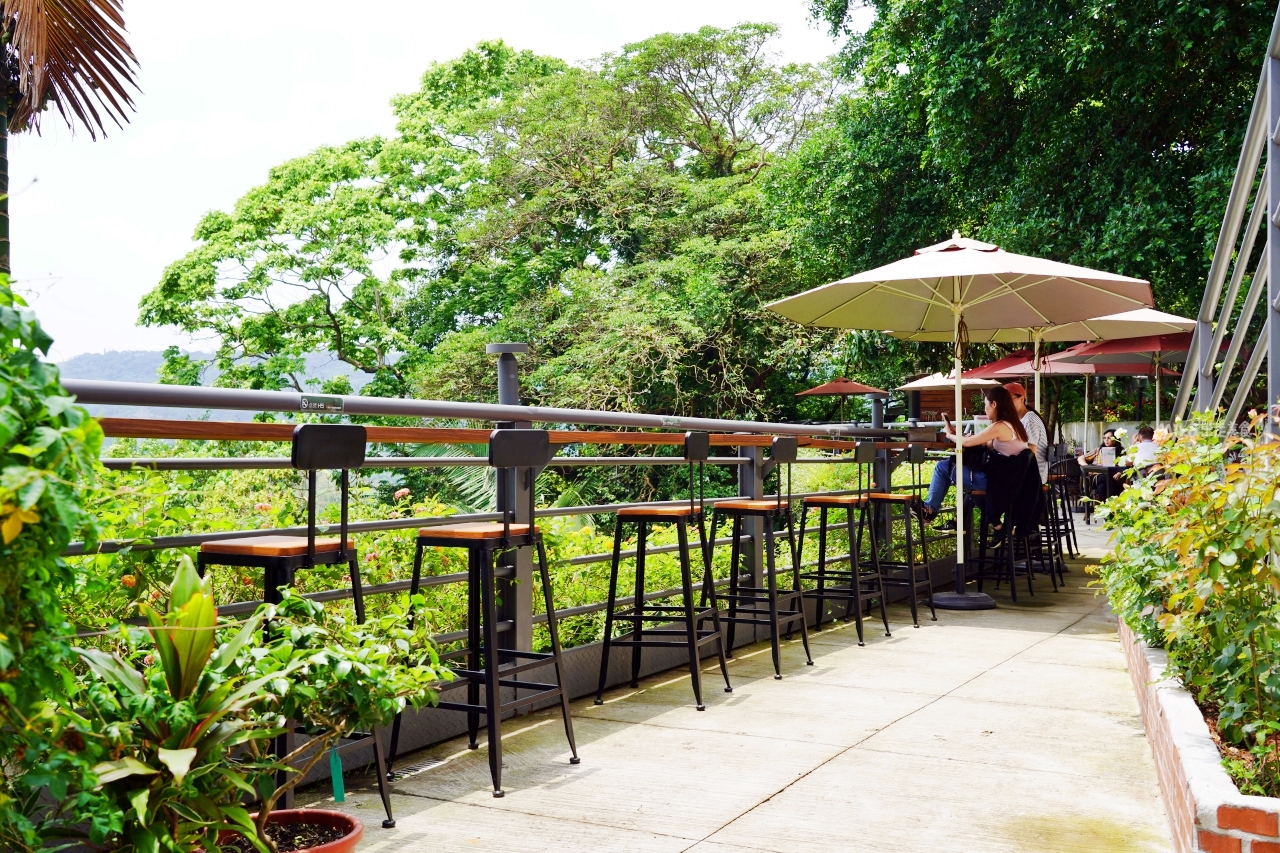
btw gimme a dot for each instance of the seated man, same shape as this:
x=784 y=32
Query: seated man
x=1146 y=448
x=1144 y=453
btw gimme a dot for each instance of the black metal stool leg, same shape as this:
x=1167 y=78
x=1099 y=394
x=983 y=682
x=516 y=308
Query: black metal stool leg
x=797 y=592
x=822 y=560
x=709 y=601
x=475 y=579
x=492 y=660
x=868 y=513
x=383 y=778
x=553 y=628
x=735 y=550
x=855 y=583
x=691 y=624
x=357 y=590
x=924 y=561
x=771 y=571
x=608 y=613
x=910 y=563
x=641 y=535
x=414 y=583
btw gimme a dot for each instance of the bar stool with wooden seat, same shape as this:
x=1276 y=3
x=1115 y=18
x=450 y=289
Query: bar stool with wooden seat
x=752 y=605
x=692 y=634
x=511 y=451
x=316 y=447
x=912 y=570
x=856 y=584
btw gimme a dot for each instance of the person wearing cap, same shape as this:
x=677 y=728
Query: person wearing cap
x=1037 y=433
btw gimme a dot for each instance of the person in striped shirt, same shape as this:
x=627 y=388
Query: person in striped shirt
x=1037 y=432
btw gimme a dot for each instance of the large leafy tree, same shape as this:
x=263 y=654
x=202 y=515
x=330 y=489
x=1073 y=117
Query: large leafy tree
x=611 y=214
x=68 y=53
x=1100 y=133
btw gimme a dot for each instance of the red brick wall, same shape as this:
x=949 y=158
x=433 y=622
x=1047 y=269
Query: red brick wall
x=1226 y=824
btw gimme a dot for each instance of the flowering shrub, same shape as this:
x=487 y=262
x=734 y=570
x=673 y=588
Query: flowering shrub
x=1196 y=570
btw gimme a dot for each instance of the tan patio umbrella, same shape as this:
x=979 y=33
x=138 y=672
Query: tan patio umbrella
x=1139 y=322
x=936 y=381
x=955 y=285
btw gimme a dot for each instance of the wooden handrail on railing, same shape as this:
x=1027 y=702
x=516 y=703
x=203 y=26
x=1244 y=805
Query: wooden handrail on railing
x=253 y=431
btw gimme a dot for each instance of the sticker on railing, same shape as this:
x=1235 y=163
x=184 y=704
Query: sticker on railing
x=833 y=430
x=314 y=403
x=670 y=422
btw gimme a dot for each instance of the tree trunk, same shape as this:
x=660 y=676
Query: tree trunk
x=4 y=190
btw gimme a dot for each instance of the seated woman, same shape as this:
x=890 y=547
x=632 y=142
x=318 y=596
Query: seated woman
x=1005 y=436
x=1101 y=486
x=1108 y=440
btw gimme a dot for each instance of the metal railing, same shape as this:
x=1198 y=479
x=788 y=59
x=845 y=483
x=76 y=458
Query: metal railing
x=1233 y=252
x=749 y=462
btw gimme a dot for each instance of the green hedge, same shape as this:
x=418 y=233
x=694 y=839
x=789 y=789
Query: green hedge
x=1196 y=571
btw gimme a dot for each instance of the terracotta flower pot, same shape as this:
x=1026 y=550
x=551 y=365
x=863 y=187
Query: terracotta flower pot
x=352 y=828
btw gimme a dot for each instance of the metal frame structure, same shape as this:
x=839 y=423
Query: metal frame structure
x=1202 y=387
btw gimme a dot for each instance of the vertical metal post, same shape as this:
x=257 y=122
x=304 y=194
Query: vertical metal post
x=517 y=598
x=751 y=485
x=1272 y=257
x=877 y=411
x=1203 y=358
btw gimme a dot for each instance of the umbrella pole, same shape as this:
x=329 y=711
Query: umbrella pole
x=960 y=600
x=1086 y=410
x=1036 y=364
x=1157 y=391
x=960 y=519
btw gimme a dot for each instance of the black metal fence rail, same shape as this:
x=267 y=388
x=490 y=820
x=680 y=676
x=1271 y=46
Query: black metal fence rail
x=750 y=462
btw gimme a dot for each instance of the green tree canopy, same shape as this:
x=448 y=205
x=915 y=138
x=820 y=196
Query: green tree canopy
x=1098 y=133
x=612 y=214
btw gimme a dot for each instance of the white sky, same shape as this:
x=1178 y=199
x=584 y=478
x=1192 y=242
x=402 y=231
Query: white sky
x=230 y=89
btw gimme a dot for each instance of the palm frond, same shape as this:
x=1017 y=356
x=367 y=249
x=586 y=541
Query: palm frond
x=73 y=53
x=476 y=484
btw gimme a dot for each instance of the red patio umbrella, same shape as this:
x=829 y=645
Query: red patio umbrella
x=1056 y=366
x=992 y=369
x=1158 y=349
x=840 y=387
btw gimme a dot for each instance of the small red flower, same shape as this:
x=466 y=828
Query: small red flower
x=128 y=581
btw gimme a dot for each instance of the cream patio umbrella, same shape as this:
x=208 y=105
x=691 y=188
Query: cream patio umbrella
x=956 y=285
x=1139 y=322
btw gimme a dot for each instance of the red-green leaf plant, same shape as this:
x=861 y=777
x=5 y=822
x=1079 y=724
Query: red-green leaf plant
x=1196 y=570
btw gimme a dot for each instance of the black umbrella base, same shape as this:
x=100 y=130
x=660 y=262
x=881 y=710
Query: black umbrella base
x=963 y=601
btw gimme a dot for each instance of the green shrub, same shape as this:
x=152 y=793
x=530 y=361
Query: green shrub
x=1196 y=570
x=48 y=454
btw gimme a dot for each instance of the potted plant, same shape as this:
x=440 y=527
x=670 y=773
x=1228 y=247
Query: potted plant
x=341 y=677
x=190 y=732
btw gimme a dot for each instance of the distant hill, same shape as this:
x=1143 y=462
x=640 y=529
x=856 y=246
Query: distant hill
x=144 y=366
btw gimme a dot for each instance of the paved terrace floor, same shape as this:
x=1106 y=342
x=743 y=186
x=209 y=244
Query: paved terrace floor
x=1013 y=729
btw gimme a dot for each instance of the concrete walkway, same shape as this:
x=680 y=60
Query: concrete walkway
x=1014 y=729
